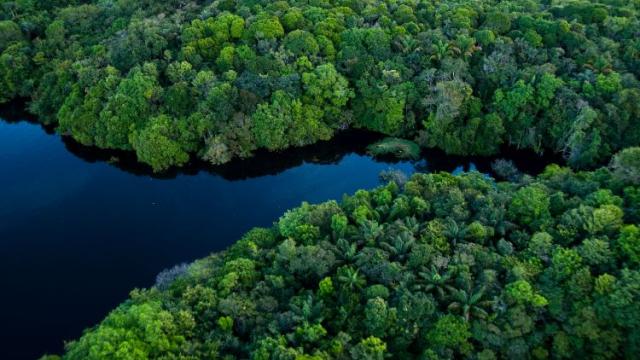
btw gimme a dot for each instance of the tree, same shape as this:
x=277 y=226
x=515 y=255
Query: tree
x=565 y=262
x=626 y=165
x=286 y=121
x=608 y=84
x=435 y=281
x=157 y=145
x=142 y=41
x=530 y=206
x=583 y=146
x=301 y=43
x=470 y=302
x=498 y=22
x=450 y=332
x=371 y=348
x=80 y=113
x=629 y=242
x=625 y=134
x=178 y=99
x=485 y=37
x=207 y=37
x=10 y=33
x=522 y=293
x=596 y=252
x=361 y=48
x=293 y=19
x=225 y=60
x=266 y=27
x=453 y=124
x=15 y=63
x=378 y=317
x=350 y=278
x=151 y=331
x=128 y=108
x=217 y=152
x=325 y=88
x=520 y=106
x=380 y=107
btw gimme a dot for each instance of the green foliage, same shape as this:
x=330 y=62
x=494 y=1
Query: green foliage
x=371 y=348
x=522 y=292
x=450 y=332
x=128 y=109
x=206 y=37
x=241 y=75
x=326 y=287
x=15 y=65
x=288 y=122
x=339 y=224
x=301 y=43
x=10 y=33
x=156 y=144
x=498 y=21
x=629 y=241
x=530 y=205
x=225 y=323
x=266 y=27
x=455 y=124
x=485 y=37
x=626 y=165
x=329 y=91
x=135 y=331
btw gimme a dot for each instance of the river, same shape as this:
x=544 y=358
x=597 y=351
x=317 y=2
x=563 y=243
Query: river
x=80 y=227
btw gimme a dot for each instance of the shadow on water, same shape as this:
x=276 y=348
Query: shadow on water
x=525 y=160
x=261 y=164
x=264 y=162
x=15 y=112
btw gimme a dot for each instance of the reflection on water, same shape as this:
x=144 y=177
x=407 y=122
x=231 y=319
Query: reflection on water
x=80 y=227
x=262 y=163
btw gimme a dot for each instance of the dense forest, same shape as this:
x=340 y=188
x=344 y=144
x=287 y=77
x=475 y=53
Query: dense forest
x=436 y=267
x=177 y=79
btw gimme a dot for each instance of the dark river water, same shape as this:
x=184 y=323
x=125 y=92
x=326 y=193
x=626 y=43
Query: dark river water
x=80 y=228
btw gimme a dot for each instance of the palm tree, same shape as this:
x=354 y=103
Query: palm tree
x=345 y=250
x=410 y=224
x=465 y=46
x=454 y=231
x=351 y=278
x=400 y=246
x=308 y=310
x=469 y=302
x=440 y=50
x=406 y=44
x=371 y=231
x=432 y=281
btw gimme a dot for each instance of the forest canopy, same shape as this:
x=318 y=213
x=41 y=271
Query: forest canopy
x=173 y=80
x=436 y=267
